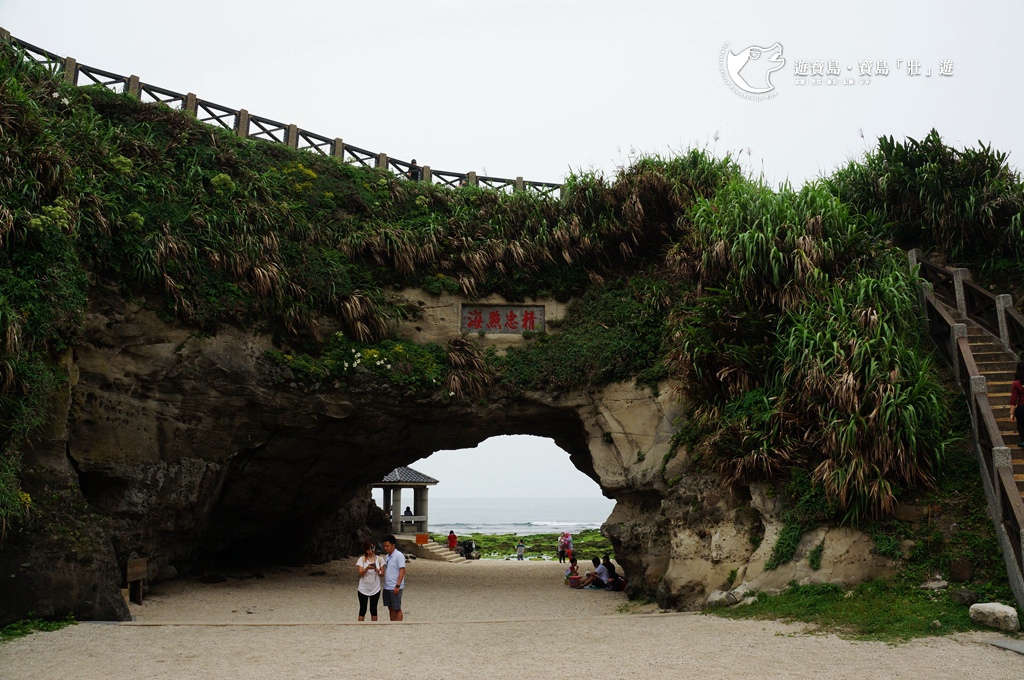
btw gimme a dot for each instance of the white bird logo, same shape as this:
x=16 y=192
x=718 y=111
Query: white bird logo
x=736 y=62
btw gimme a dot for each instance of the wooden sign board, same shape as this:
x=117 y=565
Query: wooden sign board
x=138 y=569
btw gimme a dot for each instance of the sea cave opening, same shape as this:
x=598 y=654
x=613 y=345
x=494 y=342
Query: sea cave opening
x=524 y=485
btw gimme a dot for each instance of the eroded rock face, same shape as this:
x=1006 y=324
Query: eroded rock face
x=194 y=450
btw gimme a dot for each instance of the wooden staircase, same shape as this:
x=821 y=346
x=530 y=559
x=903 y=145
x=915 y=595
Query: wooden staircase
x=997 y=365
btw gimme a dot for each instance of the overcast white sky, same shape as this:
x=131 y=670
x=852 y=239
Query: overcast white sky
x=538 y=88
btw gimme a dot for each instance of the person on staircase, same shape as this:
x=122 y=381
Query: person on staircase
x=453 y=540
x=1017 y=401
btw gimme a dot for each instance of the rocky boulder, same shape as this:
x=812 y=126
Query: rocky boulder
x=995 y=615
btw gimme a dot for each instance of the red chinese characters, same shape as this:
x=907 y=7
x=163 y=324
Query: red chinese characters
x=507 y=319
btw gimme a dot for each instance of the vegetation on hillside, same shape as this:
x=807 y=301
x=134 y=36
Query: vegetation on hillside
x=787 y=313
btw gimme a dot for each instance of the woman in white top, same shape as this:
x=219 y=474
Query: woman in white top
x=369 y=567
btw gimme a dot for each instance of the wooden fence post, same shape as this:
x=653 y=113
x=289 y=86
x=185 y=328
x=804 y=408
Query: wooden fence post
x=242 y=124
x=427 y=176
x=338 y=149
x=134 y=87
x=191 y=105
x=382 y=160
x=923 y=291
x=291 y=136
x=1000 y=458
x=1003 y=302
x=471 y=179
x=70 y=71
x=5 y=35
x=959 y=330
x=959 y=276
x=520 y=185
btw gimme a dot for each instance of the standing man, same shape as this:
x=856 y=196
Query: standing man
x=394 y=578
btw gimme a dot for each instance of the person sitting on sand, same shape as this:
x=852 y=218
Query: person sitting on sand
x=595 y=578
x=573 y=570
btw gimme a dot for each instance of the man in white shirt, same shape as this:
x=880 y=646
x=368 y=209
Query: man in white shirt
x=394 y=578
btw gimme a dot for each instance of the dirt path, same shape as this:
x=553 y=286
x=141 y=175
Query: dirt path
x=483 y=619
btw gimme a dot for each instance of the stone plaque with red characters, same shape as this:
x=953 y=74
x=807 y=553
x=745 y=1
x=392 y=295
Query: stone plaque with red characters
x=506 y=319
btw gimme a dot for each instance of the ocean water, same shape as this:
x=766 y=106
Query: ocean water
x=520 y=516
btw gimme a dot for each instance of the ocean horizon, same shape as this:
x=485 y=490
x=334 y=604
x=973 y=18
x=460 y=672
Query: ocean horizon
x=521 y=516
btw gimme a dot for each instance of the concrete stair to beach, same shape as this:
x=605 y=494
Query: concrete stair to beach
x=431 y=550
x=998 y=365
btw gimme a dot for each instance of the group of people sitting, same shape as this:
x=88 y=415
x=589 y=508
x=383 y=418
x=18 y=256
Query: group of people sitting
x=602 y=577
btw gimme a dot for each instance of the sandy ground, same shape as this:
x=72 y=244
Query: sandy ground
x=481 y=619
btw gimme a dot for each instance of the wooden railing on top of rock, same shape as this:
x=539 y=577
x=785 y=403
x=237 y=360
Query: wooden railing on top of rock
x=244 y=124
x=996 y=314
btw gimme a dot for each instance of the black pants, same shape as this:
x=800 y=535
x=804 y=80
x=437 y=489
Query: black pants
x=371 y=599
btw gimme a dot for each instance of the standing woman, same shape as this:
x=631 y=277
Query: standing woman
x=1017 y=401
x=369 y=566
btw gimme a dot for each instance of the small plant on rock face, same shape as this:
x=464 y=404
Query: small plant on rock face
x=814 y=558
x=731 y=578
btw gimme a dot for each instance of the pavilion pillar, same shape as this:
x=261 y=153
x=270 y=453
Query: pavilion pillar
x=419 y=496
x=396 y=510
x=386 y=502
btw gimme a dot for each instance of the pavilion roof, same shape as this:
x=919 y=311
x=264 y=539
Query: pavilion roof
x=405 y=475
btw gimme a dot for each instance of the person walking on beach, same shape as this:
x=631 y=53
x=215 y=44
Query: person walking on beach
x=453 y=540
x=1017 y=401
x=394 y=578
x=369 y=565
x=520 y=550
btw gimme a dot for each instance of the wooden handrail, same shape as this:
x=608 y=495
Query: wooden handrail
x=274 y=131
x=940 y=278
x=1010 y=486
x=1013 y=513
x=981 y=306
x=1015 y=329
x=1000 y=487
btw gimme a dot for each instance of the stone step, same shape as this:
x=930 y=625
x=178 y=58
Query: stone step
x=990 y=357
x=996 y=367
x=430 y=550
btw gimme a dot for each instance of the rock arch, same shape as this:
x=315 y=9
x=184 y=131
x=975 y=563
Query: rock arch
x=192 y=446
